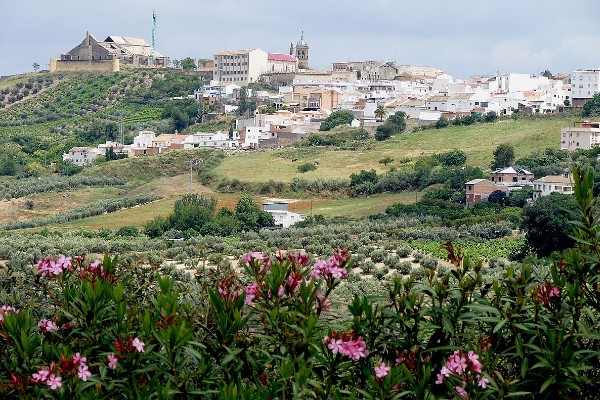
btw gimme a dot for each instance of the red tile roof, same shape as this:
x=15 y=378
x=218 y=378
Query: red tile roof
x=281 y=57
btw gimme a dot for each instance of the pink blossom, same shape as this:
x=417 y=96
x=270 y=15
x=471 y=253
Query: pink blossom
x=138 y=344
x=457 y=363
x=474 y=358
x=252 y=256
x=382 y=371
x=7 y=310
x=112 y=360
x=483 y=382
x=78 y=359
x=54 y=382
x=440 y=379
x=252 y=291
x=335 y=346
x=325 y=303
x=461 y=392
x=41 y=375
x=47 y=325
x=83 y=372
x=65 y=262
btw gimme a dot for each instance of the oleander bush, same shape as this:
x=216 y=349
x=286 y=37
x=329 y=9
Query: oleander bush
x=286 y=326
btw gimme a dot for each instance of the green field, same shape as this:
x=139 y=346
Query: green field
x=478 y=141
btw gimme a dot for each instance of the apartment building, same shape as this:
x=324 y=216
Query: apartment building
x=584 y=84
x=241 y=67
x=584 y=136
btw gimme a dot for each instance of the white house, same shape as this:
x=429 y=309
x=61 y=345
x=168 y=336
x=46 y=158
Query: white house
x=252 y=135
x=457 y=102
x=144 y=139
x=520 y=82
x=82 y=156
x=550 y=184
x=239 y=66
x=281 y=215
x=218 y=139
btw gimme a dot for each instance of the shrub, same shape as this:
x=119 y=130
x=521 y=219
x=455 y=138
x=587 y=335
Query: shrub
x=378 y=256
x=405 y=267
x=306 y=167
x=403 y=251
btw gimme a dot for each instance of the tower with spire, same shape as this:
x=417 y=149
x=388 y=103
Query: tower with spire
x=301 y=52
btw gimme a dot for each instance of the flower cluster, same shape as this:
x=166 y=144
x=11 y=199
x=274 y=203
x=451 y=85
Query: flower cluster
x=228 y=291
x=547 y=294
x=332 y=268
x=47 y=326
x=467 y=368
x=95 y=271
x=5 y=310
x=347 y=344
x=70 y=366
x=50 y=266
x=127 y=346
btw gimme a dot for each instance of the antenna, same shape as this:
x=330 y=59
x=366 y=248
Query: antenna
x=152 y=63
x=121 y=129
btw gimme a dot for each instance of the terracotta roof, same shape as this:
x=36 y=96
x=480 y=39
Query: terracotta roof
x=281 y=57
x=554 y=179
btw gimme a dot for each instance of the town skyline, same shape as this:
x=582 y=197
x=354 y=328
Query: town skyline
x=463 y=39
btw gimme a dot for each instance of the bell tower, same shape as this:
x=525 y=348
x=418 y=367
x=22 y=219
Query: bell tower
x=302 y=52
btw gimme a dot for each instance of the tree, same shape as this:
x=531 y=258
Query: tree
x=547 y=74
x=249 y=215
x=385 y=161
x=567 y=103
x=193 y=211
x=442 y=122
x=340 y=117
x=547 y=225
x=188 y=64
x=384 y=132
x=497 y=197
x=35 y=66
x=504 y=155
x=592 y=107
x=490 y=116
x=380 y=113
x=453 y=158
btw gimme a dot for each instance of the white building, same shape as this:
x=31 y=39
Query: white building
x=550 y=184
x=584 y=84
x=584 y=136
x=144 y=139
x=281 y=215
x=281 y=63
x=458 y=102
x=82 y=156
x=239 y=66
x=219 y=139
x=520 y=82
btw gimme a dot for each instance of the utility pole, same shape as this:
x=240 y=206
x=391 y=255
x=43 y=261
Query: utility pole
x=121 y=129
x=152 y=55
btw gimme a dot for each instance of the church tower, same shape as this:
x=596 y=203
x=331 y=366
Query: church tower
x=302 y=52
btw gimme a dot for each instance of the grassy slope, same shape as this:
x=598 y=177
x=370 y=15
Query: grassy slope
x=478 y=141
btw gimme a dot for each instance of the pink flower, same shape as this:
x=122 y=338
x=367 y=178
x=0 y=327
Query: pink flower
x=457 y=363
x=41 y=375
x=462 y=393
x=54 y=381
x=47 y=325
x=77 y=359
x=483 y=382
x=65 y=262
x=138 y=344
x=382 y=371
x=252 y=291
x=253 y=255
x=7 y=310
x=440 y=379
x=83 y=372
x=335 y=345
x=112 y=360
x=474 y=358
x=280 y=291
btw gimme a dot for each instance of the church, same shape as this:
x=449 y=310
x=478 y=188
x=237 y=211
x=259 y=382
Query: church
x=300 y=52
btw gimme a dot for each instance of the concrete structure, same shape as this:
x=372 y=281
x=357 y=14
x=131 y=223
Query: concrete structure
x=519 y=82
x=82 y=156
x=584 y=136
x=584 y=85
x=218 y=139
x=458 y=102
x=239 y=66
x=368 y=70
x=480 y=189
x=281 y=215
x=313 y=98
x=550 y=184
x=511 y=176
x=281 y=63
x=144 y=139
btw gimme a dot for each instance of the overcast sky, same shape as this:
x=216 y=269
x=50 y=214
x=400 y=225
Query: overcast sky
x=461 y=37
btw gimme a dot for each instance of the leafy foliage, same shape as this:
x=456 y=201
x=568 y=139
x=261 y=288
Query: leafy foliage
x=340 y=117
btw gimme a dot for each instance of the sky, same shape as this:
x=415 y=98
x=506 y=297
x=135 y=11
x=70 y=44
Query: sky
x=461 y=37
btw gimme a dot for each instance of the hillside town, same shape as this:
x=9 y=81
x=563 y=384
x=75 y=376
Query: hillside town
x=300 y=98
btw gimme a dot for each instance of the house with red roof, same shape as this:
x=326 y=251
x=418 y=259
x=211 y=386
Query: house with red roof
x=281 y=63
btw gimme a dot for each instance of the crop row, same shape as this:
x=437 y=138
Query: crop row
x=99 y=208
x=23 y=187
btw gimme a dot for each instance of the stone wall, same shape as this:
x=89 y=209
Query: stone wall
x=81 y=66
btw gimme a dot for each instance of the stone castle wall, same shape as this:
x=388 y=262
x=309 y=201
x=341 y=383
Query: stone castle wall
x=81 y=66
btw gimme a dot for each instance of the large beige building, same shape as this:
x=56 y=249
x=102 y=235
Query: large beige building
x=240 y=66
x=584 y=136
x=584 y=85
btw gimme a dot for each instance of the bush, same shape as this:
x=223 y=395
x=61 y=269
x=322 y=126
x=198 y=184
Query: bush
x=306 y=167
x=405 y=267
x=403 y=251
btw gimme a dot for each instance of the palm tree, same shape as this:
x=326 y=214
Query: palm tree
x=380 y=113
